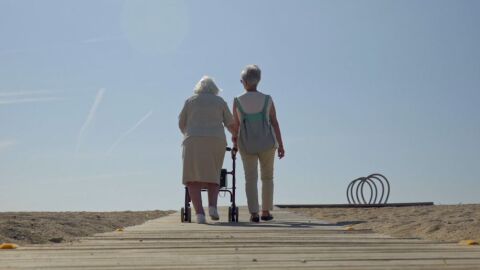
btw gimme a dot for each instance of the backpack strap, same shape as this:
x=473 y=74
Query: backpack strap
x=265 y=105
x=239 y=106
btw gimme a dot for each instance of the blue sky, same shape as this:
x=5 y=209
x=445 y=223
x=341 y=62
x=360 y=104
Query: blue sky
x=90 y=92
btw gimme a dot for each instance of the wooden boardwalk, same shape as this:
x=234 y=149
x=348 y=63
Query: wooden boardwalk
x=289 y=242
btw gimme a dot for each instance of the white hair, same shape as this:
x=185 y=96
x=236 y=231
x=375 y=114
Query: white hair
x=206 y=85
x=251 y=74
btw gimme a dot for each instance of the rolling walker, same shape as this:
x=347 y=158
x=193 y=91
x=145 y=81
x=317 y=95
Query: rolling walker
x=186 y=210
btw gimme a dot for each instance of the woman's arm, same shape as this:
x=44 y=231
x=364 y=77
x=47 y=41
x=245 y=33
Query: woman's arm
x=182 y=119
x=231 y=128
x=228 y=119
x=236 y=125
x=276 y=129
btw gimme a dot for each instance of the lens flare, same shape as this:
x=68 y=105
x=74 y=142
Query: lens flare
x=155 y=27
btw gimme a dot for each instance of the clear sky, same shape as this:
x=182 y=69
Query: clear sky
x=90 y=92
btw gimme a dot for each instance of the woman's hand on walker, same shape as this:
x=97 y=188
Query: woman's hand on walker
x=234 y=150
x=281 y=152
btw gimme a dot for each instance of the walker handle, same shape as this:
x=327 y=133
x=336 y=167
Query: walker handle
x=233 y=150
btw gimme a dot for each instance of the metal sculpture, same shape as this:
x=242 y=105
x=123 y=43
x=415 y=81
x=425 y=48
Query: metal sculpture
x=356 y=190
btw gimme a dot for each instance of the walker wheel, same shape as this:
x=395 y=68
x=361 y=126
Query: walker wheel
x=189 y=214
x=232 y=214
x=185 y=215
x=236 y=214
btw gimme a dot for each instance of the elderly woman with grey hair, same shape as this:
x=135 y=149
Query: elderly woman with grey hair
x=202 y=121
x=258 y=138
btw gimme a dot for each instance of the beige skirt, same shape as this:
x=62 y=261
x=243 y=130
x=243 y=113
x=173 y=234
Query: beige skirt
x=203 y=159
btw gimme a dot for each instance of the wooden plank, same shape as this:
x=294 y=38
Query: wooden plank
x=290 y=241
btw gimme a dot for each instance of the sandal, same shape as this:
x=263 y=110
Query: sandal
x=254 y=218
x=267 y=218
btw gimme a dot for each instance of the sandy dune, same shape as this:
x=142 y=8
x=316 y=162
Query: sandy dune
x=56 y=227
x=438 y=222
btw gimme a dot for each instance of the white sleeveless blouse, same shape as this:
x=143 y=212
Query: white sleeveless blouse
x=253 y=102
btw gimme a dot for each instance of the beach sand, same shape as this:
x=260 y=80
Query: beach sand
x=56 y=227
x=450 y=223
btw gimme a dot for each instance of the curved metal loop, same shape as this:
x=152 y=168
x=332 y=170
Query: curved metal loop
x=373 y=195
x=350 y=188
x=386 y=181
x=356 y=193
x=381 y=199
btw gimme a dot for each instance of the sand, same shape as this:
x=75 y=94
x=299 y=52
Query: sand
x=451 y=223
x=448 y=223
x=57 y=227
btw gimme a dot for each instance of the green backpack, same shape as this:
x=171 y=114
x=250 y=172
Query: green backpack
x=256 y=134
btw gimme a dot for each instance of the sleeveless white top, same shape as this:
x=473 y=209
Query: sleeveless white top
x=253 y=102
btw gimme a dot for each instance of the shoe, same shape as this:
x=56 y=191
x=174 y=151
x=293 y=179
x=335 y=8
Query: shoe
x=212 y=211
x=254 y=218
x=201 y=219
x=267 y=218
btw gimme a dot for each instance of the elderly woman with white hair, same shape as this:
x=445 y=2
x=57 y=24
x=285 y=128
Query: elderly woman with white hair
x=202 y=121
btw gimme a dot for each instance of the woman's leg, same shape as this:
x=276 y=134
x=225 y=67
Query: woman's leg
x=195 y=192
x=267 y=159
x=213 y=194
x=250 y=165
x=212 y=200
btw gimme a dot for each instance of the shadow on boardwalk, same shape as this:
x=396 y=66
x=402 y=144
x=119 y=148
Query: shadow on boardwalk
x=286 y=224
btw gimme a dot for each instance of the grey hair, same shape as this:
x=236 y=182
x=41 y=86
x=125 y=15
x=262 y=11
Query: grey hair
x=251 y=74
x=206 y=85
